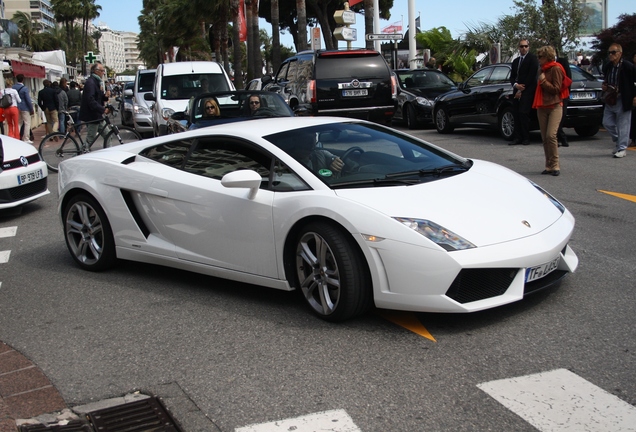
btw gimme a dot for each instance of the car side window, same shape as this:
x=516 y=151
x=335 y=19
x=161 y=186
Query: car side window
x=172 y=154
x=282 y=72
x=292 y=71
x=215 y=157
x=478 y=78
x=500 y=75
x=285 y=180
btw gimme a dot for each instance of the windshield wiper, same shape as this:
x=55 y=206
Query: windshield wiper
x=446 y=169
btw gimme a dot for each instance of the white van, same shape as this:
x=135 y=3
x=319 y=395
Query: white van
x=176 y=83
x=142 y=117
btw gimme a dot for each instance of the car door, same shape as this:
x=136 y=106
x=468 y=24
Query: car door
x=464 y=106
x=486 y=102
x=214 y=225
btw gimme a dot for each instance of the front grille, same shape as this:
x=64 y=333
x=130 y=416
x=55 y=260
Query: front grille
x=477 y=284
x=17 y=163
x=23 y=191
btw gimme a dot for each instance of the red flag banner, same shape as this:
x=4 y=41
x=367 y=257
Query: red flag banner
x=242 y=23
x=354 y=2
x=396 y=27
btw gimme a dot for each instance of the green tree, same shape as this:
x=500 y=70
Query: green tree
x=623 y=33
x=26 y=28
x=457 y=59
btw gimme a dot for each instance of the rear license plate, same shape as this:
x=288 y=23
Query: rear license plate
x=542 y=270
x=30 y=177
x=357 y=92
x=583 y=95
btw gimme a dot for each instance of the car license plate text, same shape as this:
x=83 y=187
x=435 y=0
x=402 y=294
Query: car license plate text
x=583 y=95
x=357 y=92
x=542 y=270
x=29 y=177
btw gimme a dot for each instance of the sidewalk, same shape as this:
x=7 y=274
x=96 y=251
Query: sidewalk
x=25 y=392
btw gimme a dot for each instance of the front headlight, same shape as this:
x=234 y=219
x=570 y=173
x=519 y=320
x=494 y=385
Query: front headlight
x=437 y=234
x=552 y=199
x=166 y=113
x=140 y=109
x=128 y=106
x=424 y=102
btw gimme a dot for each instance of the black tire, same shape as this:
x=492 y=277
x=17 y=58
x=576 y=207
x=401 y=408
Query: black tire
x=442 y=122
x=411 y=117
x=587 y=131
x=331 y=273
x=127 y=135
x=88 y=234
x=506 y=124
x=57 y=147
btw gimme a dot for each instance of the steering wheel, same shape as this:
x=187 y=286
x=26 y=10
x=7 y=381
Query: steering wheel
x=351 y=165
x=265 y=112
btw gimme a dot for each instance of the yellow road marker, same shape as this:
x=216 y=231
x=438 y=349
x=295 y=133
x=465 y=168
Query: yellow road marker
x=407 y=320
x=627 y=197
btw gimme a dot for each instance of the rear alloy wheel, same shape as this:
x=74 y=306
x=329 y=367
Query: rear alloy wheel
x=331 y=273
x=411 y=117
x=442 y=123
x=88 y=234
x=587 y=131
x=507 y=124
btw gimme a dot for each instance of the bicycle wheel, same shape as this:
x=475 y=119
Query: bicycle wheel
x=56 y=147
x=126 y=135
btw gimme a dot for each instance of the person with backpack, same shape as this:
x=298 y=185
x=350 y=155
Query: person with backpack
x=9 y=102
x=25 y=108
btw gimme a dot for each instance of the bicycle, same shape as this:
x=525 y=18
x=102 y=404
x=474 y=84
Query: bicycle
x=57 y=146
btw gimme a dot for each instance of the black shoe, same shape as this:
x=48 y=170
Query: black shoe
x=526 y=142
x=565 y=144
x=515 y=142
x=546 y=172
x=556 y=173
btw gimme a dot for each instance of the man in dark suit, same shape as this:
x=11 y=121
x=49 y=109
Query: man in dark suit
x=524 y=82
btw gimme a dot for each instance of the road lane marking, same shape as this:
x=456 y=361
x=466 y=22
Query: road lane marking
x=4 y=256
x=327 y=421
x=627 y=197
x=8 y=231
x=408 y=320
x=560 y=400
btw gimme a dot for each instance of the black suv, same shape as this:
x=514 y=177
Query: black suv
x=354 y=83
x=483 y=100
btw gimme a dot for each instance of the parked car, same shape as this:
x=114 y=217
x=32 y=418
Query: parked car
x=484 y=100
x=23 y=174
x=403 y=224
x=126 y=104
x=176 y=83
x=417 y=89
x=142 y=117
x=355 y=83
x=233 y=106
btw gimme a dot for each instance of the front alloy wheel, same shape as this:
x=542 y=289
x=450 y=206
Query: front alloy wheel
x=331 y=274
x=88 y=234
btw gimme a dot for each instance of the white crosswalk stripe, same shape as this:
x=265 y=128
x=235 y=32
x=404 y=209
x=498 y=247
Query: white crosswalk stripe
x=326 y=421
x=4 y=255
x=560 y=401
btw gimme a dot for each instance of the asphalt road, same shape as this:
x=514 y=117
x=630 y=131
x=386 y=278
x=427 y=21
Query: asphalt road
x=224 y=355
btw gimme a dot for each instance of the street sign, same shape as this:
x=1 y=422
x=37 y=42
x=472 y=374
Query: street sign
x=346 y=34
x=344 y=17
x=383 y=36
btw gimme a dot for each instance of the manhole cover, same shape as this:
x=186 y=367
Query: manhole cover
x=146 y=415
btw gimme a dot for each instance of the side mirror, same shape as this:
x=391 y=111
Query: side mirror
x=243 y=179
x=266 y=79
x=128 y=93
x=178 y=115
x=149 y=97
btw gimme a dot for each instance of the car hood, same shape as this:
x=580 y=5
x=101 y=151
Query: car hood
x=175 y=104
x=12 y=149
x=430 y=93
x=486 y=205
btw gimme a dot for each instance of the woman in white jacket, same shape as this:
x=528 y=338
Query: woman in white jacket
x=12 y=114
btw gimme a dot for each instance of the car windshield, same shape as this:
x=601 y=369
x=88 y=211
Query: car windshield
x=189 y=85
x=361 y=155
x=423 y=79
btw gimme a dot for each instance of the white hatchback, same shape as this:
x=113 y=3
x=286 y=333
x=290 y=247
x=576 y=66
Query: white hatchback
x=23 y=175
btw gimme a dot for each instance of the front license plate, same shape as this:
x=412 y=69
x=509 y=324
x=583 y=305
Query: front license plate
x=357 y=92
x=542 y=270
x=583 y=95
x=30 y=177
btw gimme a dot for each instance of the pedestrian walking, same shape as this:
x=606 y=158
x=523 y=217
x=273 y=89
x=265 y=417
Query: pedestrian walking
x=11 y=112
x=93 y=98
x=62 y=99
x=49 y=104
x=619 y=97
x=523 y=78
x=552 y=88
x=25 y=108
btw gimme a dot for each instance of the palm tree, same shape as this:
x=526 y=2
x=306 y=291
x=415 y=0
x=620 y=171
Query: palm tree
x=301 y=42
x=276 y=60
x=26 y=28
x=88 y=12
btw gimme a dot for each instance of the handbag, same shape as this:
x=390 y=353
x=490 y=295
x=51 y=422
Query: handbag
x=610 y=96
